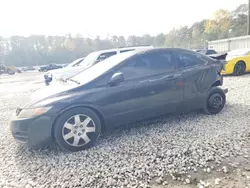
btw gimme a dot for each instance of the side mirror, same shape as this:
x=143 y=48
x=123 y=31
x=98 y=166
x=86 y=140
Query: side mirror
x=116 y=79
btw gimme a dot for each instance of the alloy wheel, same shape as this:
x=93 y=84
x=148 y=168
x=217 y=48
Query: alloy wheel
x=76 y=130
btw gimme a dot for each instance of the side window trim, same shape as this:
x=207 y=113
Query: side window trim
x=173 y=58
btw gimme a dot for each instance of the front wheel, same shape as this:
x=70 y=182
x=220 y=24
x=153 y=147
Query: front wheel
x=77 y=129
x=215 y=101
x=239 y=68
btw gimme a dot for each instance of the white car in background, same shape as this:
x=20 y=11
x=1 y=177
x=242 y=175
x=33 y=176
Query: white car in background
x=67 y=70
x=79 y=65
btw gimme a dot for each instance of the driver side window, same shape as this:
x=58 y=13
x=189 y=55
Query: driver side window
x=150 y=64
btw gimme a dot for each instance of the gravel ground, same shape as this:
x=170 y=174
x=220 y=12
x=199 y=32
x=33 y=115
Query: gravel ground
x=192 y=150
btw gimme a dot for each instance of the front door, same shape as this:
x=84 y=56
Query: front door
x=151 y=88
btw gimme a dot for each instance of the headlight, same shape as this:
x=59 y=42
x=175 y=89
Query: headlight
x=32 y=112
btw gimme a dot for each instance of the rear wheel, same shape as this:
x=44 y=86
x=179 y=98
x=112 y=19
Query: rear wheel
x=77 y=129
x=215 y=101
x=239 y=68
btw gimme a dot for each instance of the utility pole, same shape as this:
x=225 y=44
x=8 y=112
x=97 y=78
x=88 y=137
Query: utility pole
x=248 y=19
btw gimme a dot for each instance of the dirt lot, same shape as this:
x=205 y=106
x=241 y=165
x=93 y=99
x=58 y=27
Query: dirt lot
x=192 y=150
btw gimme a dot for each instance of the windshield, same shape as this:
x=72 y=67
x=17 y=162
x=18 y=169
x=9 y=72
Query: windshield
x=89 y=60
x=74 y=62
x=239 y=52
x=102 y=67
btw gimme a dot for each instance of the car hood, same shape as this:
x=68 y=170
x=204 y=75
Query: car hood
x=55 y=71
x=47 y=92
x=228 y=58
x=65 y=72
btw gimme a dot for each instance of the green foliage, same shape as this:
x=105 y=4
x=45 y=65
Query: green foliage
x=39 y=49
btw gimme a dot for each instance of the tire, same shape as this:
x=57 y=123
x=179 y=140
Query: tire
x=215 y=101
x=239 y=68
x=10 y=72
x=67 y=132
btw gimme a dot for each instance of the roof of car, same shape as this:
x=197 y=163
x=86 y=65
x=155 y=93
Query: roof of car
x=145 y=49
x=124 y=48
x=170 y=49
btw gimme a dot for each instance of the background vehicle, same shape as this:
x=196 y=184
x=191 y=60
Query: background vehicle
x=91 y=59
x=49 y=67
x=71 y=66
x=9 y=69
x=238 y=62
x=125 y=88
x=30 y=68
x=206 y=52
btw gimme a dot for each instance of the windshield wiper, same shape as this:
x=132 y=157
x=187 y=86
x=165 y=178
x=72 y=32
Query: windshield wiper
x=72 y=80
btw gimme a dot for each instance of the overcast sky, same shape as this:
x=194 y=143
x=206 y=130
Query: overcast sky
x=103 y=17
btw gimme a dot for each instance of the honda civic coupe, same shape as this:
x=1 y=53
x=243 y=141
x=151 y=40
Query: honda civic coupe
x=122 y=89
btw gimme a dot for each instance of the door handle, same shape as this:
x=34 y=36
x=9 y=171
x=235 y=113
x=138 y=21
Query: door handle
x=143 y=81
x=174 y=76
x=178 y=75
x=168 y=77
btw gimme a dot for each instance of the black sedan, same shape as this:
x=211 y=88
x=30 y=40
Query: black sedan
x=49 y=67
x=125 y=88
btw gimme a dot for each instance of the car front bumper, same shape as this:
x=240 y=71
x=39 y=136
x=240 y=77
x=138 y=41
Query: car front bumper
x=34 y=132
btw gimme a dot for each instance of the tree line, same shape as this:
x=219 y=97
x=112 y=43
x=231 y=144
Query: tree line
x=40 y=49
